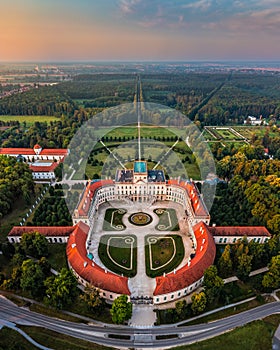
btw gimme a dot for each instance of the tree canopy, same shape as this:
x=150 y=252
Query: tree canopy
x=272 y=278
x=61 y=290
x=15 y=183
x=34 y=244
x=121 y=309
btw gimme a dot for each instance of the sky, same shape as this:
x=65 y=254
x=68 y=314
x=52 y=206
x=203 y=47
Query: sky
x=144 y=30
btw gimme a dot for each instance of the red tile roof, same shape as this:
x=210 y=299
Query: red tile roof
x=43 y=168
x=89 y=271
x=188 y=275
x=196 y=201
x=239 y=231
x=47 y=231
x=15 y=151
x=54 y=151
x=37 y=146
x=89 y=194
x=31 y=152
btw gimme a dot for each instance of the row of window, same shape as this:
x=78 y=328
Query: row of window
x=179 y=294
x=225 y=239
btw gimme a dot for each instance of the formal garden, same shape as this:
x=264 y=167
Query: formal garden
x=140 y=219
x=119 y=254
x=113 y=219
x=163 y=254
x=168 y=220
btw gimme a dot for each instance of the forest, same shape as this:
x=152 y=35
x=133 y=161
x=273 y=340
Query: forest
x=217 y=98
x=16 y=184
x=250 y=194
x=43 y=100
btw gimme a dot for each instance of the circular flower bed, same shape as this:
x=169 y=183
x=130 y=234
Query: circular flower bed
x=140 y=219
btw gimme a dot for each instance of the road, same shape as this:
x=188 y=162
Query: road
x=138 y=338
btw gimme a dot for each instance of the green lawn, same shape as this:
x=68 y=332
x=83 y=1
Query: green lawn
x=146 y=131
x=226 y=134
x=256 y=335
x=227 y=312
x=168 y=220
x=159 y=252
x=58 y=341
x=113 y=219
x=29 y=119
x=119 y=253
x=174 y=165
x=162 y=251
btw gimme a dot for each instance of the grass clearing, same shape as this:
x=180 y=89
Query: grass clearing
x=78 y=308
x=117 y=140
x=29 y=119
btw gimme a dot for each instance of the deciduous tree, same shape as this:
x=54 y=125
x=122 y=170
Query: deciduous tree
x=272 y=278
x=121 y=309
x=199 y=301
x=61 y=290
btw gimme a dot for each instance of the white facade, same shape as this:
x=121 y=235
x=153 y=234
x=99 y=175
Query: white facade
x=141 y=192
x=51 y=239
x=43 y=175
x=234 y=239
x=174 y=295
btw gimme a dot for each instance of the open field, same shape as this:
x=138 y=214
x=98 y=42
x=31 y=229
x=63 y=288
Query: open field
x=146 y=131
x=29 y=119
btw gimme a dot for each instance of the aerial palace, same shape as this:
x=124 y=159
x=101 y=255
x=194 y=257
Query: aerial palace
x=142 y=235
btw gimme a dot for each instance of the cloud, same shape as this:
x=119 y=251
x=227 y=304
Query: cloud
x=219 y=17
x=201 y=5
x=128 y=6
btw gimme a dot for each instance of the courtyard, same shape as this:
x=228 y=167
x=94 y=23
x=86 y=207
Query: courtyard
x=140 y=241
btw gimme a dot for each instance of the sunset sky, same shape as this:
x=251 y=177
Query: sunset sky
x=46 y=30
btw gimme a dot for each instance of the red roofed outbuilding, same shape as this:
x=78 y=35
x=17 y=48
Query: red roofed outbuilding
x=54 y=234
x=231 y=234
x=42 y=162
